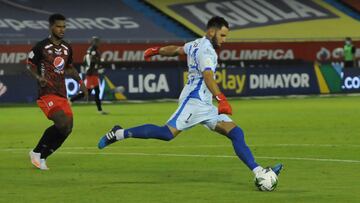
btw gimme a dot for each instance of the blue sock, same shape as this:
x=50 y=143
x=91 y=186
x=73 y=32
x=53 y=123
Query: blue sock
x=236 y=135
x=149 y=131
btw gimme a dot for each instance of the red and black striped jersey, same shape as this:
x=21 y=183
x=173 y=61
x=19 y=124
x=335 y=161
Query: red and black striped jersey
x=92 y=60
x=50 y=61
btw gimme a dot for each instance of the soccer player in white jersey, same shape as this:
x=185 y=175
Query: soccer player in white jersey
x=195 y=101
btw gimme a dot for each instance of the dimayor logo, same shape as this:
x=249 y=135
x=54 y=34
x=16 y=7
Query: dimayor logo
x=59 y=64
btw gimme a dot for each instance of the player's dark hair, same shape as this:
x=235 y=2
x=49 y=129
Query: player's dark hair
x=55 y=17
x=217 y=22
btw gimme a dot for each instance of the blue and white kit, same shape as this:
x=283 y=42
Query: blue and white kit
x=195 y=101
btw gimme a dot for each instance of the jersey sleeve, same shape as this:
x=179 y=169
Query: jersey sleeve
x=187 y=48
x=34 y=56
x=70 y=58
x=207 y=61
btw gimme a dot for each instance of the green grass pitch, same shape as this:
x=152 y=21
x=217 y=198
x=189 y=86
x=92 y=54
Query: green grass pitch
x=316 y=138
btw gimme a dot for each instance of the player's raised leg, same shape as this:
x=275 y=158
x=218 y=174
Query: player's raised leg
x=147 y=131
x=236 y=135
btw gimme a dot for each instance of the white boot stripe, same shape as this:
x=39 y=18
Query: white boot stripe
x=110 y=135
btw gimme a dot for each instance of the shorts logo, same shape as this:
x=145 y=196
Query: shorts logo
x=50 y=103
x=59 y=63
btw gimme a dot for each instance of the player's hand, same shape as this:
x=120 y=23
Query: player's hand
x=151 y=52
x=84 y=91
x=223 y=105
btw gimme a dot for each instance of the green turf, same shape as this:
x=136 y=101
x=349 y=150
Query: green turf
x=313 y=137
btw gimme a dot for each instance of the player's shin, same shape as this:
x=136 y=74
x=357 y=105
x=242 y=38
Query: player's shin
x=236 y=136
x=149 y=131
x=45 y=140
x=55 y=138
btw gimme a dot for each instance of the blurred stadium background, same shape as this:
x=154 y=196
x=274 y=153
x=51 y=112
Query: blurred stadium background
x=274 y=48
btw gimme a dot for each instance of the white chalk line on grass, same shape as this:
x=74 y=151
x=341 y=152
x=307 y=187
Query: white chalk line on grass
x=202 y=146
x=192 y=155
x=213 y=156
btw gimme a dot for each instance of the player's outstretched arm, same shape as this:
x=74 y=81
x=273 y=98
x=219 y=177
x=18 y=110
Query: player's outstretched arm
x=223 y=105
x=171 y=50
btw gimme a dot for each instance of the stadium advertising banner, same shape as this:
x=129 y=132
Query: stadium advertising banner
x=17 y=88
x=350 y=80
x=134 y=84
x=307 y=51
x=167 y=82
x=21 y=21
x=148 y=83
x=117 y=53
x=264 y=19
x=279 y=81
x=273 y=80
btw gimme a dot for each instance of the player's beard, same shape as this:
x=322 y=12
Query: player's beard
x=214 y=42
x=57 y=37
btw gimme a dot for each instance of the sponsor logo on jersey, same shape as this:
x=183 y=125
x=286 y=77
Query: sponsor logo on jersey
x=59 y=64
x=58 y=51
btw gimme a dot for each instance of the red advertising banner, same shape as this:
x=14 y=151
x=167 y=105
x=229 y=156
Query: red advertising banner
x=307 y=51
x=239 y=51
x=355 y=4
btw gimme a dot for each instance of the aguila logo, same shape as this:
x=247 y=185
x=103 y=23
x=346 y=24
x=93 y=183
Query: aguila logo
x=59 y=63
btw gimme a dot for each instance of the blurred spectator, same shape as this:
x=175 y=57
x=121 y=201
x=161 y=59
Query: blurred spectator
x=92 y=62
x=349 y=54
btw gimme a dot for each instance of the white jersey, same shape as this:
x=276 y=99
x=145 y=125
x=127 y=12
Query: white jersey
x=201 y=56
x=195 y=102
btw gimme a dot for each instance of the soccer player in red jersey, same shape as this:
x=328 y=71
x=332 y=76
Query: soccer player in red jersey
x=93 y=65
x=48 y=62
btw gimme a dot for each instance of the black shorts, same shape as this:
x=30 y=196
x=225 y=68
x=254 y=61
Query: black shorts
x=349 y=64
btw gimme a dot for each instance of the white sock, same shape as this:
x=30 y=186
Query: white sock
x=119 y=134
x=257 y=169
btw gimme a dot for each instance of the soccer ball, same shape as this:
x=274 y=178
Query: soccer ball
x=266 y=181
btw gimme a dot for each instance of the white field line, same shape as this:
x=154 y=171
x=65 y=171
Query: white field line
x=201 y=146
x=193 y=155
x=212 y=156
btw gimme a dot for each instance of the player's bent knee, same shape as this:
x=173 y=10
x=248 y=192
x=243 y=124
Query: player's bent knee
x=64 y=128
x=69 y=131
x=236 y=134
x=224 y=127
x=167 y=133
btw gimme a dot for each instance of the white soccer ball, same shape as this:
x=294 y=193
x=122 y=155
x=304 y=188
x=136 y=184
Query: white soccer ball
x=267 y=180
x=119 y=89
